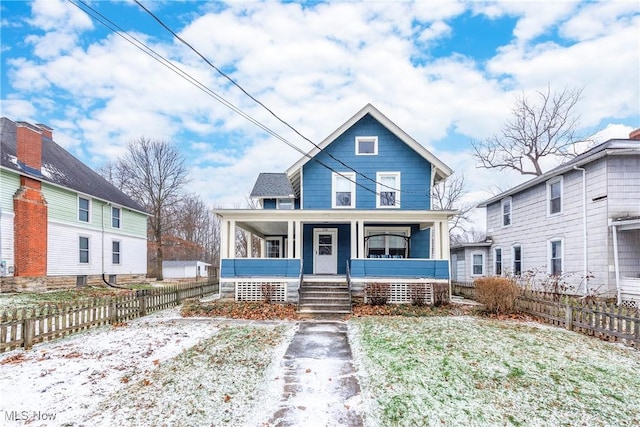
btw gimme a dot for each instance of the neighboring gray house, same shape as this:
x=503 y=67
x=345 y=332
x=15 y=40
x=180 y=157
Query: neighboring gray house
x=185 y=269
x=469 y=261
x=579 y=221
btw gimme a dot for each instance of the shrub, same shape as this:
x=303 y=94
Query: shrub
x=377 y=293
x=268 y=292
x=498 y=294
x=418 y=294
x=440 y=294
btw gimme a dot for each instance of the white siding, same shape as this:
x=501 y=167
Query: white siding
x=6 y=240
x=63 y=252
x=623 y=185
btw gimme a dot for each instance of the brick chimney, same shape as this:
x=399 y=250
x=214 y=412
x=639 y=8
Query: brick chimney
x=30 y=206
x=635 y=134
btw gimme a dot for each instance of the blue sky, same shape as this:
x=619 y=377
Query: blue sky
x=446 y=72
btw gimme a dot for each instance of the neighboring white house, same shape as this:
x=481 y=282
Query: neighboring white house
x=185 y=269
x=579 y=221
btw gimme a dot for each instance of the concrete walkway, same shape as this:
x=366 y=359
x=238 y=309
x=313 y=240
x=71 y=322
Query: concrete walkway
x=320 y=388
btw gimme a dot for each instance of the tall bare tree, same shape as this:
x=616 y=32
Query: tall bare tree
x=448 y=195
x=153 y=173
x=539 y=127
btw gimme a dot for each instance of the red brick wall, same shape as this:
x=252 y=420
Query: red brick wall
x=30 y=229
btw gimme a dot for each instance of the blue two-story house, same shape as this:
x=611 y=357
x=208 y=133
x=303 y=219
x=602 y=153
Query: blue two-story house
x=354 y=210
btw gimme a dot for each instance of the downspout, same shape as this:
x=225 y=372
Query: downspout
x=584 y=229
x=616 y=263
x=102 y=257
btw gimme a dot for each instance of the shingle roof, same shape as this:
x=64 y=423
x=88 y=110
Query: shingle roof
x=272 y=185
x=61 y=168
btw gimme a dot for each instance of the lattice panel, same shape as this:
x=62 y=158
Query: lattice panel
x=252 y=291
x=399 y=293
x=404 y=293
x=630 y=304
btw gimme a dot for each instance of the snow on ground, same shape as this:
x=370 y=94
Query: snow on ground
x=101 y=376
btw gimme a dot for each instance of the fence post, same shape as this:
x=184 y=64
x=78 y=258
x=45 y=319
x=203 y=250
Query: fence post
x=113 y=311
x=28 y=332
x=568 y=317
x=143 y=305
x=178 y=300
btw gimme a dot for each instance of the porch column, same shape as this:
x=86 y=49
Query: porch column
x=437 y=240
x=445 y=240
x=232 y=239
x=249 y=245
x=263 y=247
x=360 y=227
x=224 y=239
x=298 y=240
x=289 y=239
x=354 y=239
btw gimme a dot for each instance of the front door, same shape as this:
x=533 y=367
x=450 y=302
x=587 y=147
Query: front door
x=325 y=251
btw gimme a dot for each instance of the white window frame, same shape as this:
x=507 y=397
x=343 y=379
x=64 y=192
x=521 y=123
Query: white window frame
x=368 y=231
x=473 y=255
x=503 y=203
x=119 y=209
x=280 y=246
x=88 y=250
x=114 y=252
x=381 y=188
x=513 y=258
x=373 y=139
x=351 y=177
x=548 y=199
x=495 y=261
x=282 y=204
x=88 y=199
x=550 y=252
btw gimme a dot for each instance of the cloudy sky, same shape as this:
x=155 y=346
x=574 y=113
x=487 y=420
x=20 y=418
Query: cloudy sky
x=446 y=72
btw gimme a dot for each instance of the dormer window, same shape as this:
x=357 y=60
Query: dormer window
x=285 y=204
x=366 y=145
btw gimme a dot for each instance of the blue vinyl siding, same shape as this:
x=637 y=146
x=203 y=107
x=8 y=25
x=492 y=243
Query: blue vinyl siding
x=393 y=156
x=344 y=246
x=409 y=268
x=269 y=204
x=420 y=242
x=259 y=267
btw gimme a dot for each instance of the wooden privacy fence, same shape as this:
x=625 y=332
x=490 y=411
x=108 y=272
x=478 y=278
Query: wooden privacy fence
x=28 y=326
x=601 y=319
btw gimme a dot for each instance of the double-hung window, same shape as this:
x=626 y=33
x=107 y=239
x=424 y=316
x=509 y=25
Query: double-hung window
x=506 y=212
x=555 y=257
x=497 y=255
x=115 y=217
x=387 y=243
x=83 y=249
x=478 y=264
x=366 y=145
x=554 y=196
x=517 y=260
x=273 y=247
x=344 y=190
x=115 y=252
x=388 y=190
x=84 y=209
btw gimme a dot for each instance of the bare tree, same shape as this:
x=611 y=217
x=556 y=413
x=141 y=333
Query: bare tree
x=545 y=126
x=153 y=173
x=448 y=195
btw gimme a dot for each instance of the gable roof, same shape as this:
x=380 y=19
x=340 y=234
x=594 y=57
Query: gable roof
x=60 y=168
x=610 y=147
x=442 y=171
x=272 y=185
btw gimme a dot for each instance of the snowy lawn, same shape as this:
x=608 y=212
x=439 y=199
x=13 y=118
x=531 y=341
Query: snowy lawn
x=476 y=372
x=158 y=370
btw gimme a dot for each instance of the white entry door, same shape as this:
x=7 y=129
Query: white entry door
x=325 y=251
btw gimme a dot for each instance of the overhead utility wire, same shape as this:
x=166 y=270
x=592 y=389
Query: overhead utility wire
x=168 y=64
x=257 y=101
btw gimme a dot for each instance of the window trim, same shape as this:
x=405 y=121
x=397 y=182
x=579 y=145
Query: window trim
x=280 y=241
x=88 y=210
x=119 y=227
x=291 y=203
x=80 y=250
x=351 y=177
x=550 y=252
x=548 y=196
x=503 y=202
x=482 y=266
x=368 y=231
x=380 y=188
x=513 y=258
x=113 y=253
x=495 y=261
x=366 y=138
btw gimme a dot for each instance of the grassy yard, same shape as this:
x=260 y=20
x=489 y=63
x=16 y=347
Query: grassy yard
x=475 y=372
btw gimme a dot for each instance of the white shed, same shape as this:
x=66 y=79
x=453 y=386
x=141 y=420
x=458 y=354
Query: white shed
x=185 y=269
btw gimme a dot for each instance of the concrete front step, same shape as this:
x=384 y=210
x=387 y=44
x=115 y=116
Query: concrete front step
x=322 y=300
